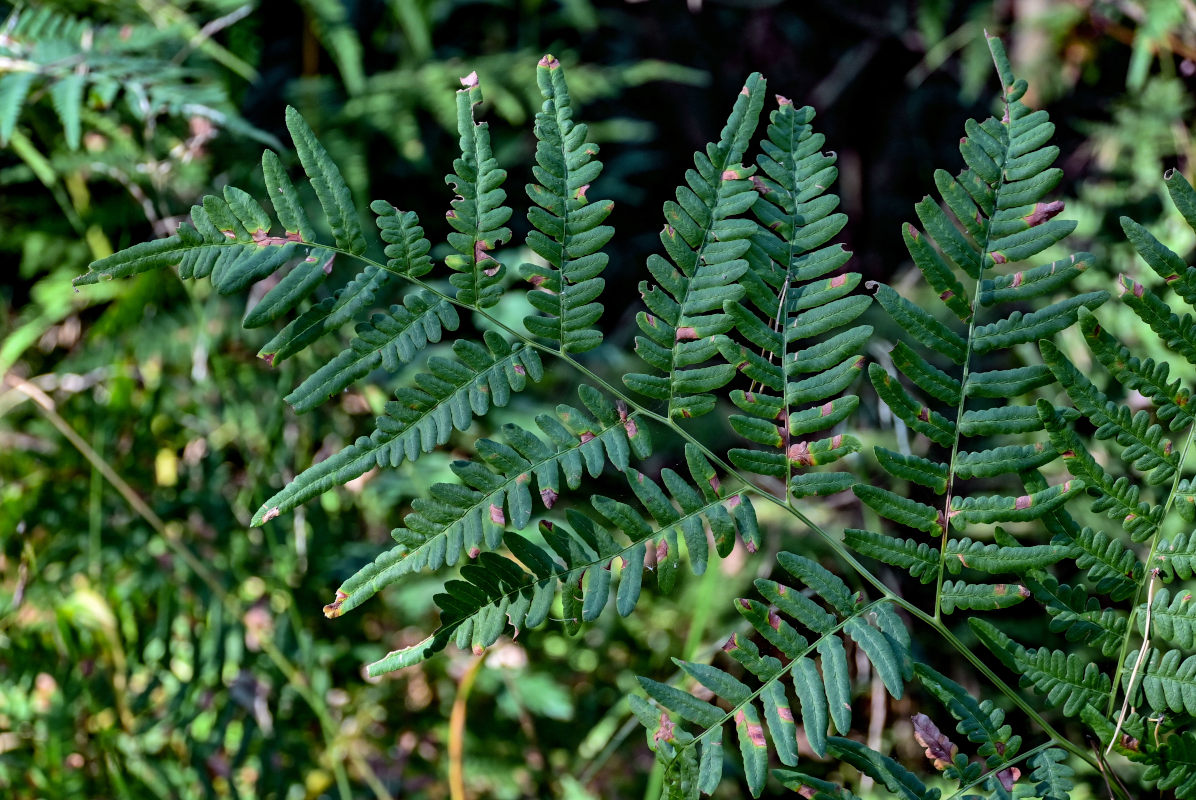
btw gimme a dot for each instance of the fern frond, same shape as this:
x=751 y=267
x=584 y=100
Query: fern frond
x=1177 y=331
x=1080 y=617
x=421 y=417
x=980 y=596
x=496 y=593
x=1053 y=778
x=919 y=559
x=388 y=340
x=1168 y=680
x=1176 y=557
x=567 y=231
x=1173 y=621
x=1145 y=447
x=979 y=720
x=478 y=216
x=1175 y=769
x=706 y=240
x=1141 y=375
x=824 y=694
x=995 y=559
x=793 y=302
x=1061 y=678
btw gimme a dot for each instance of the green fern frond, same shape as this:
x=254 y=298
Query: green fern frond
x=1052 y=777
x=1140 y=375
x=495 y=593
x=478 y=216
x=1171 y=619
x=1168 y=680
x=919 y=559
x=979 y=720
x=1080 y=617
x=1175 y=769
x=706 y=239
x=793 y=302
x=824 y=694
x=421 y=417
x=387 y=340
x=48 y=53
x=1176 y=557
x=991 y=216
x=567 y=231
x=1061 y=678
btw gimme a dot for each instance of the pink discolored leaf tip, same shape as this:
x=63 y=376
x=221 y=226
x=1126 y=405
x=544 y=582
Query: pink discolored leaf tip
x=1043 y=212
x=271 y=514
x=470 y=81
x=783 y=101
x=548 y=497
x=549 y=61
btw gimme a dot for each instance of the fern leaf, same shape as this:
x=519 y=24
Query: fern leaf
x=330 y=187
x=567 y=231
x=918 y=558
x=996 y=559
x=789 y=247
x=1168 y=680
x=979 y=720
x=1025 y=285
x=420 y=418
x=1051 y=774
x=299 y=283
x=1173 y=621
x=1177 y=332
x=67 y=96
x=1176 y=557
x=980 y=596
x=478 y=217
x=1170 y=398
x=896 y=778
x=1062 y=678
x=387 y=340
x=706 y=240
x=1175 y=770
x=14 y=86
x=1117 y=497
x=990 y=509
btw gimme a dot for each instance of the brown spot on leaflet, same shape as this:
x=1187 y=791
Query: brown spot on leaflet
x=585 y=436
x=838 y=281
x=785 y=713
x=665 y=732
x=730 y=175
x=548 y=497
x=1022 y=502
x=783 y=101
x=580 y=194
x=496 y=515
x=686 y=333
x=999 y=258
x=271 y=514
x=474 y=552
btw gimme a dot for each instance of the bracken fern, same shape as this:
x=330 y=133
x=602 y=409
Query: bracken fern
x=750 y=303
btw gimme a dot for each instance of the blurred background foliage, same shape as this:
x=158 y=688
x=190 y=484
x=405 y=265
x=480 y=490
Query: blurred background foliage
x=151 y=644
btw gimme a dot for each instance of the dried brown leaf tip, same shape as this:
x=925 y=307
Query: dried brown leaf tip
x=939 y=749
x=333 y=609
